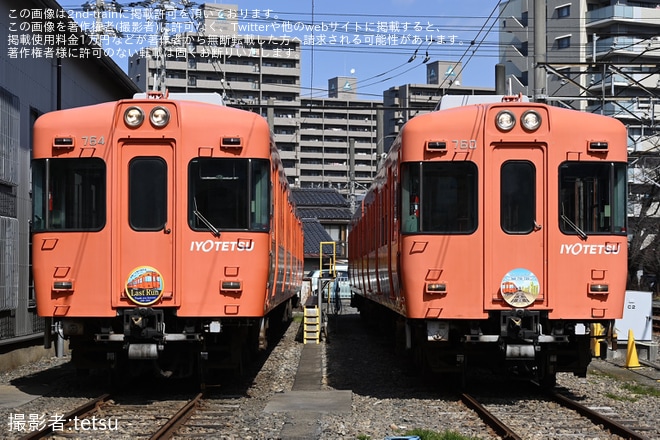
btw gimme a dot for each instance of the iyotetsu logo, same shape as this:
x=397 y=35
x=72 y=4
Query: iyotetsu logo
x=590 y=249
x=222 y=246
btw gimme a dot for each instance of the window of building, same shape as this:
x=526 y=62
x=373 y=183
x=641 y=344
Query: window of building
x=564 y=42
x=564 y=11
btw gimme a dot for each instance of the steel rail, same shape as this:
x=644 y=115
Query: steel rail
x=489 y=418
x=178 y=419
x=609 y=424
x=79 y=412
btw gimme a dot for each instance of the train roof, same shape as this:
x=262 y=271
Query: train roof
x=451 y=101
x=209 y=98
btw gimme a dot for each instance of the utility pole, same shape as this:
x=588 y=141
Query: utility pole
x=351 y=173
x=540 y=86
x=98 y=8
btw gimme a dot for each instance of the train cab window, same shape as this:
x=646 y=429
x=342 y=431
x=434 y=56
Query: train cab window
x=592 y=198
x=68 y=194
x=229 y=194
x=439 y=197
x=147 y=194
x=517 y=197
x=260 y=195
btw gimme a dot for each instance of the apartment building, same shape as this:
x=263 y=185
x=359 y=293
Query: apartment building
x=404 y=102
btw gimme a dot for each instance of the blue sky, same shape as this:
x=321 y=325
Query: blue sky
x=373 y=40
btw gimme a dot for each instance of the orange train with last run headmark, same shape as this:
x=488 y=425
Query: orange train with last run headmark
x=164 y=232
x=495 y=235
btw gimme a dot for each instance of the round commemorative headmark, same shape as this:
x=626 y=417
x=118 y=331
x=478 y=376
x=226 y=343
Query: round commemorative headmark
x=519 y=287
x=144 y=285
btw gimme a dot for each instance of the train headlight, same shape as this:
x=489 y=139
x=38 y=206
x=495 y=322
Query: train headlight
x=531 y=120
x=505 y=120
x=159 y=117
x=134 y=117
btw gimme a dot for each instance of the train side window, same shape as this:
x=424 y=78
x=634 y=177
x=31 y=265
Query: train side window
x=69 y=194
x=517 y=197
x=410 y=197
x=260 y=195
x=147 y=194
x=592 y=198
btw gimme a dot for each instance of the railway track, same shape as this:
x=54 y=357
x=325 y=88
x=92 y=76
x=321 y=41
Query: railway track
x=387 y=399
x=104 y=415
x=506 y=421
x=79 y=413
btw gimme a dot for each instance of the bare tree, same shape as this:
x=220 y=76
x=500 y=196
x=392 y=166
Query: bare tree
x=644 y=224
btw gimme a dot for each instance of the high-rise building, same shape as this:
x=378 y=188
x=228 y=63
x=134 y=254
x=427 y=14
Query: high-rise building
x=247 y=69
x=329 y=129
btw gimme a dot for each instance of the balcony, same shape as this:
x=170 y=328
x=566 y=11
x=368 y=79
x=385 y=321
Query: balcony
x=633 y=108
x=619 y=13
x=281 y=71
x=626 y=46
x=632 y=79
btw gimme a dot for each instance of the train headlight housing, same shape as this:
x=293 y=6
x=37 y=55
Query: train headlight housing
x=159 y=117
x=531 y=120
x=505 y=120
x=133 y=117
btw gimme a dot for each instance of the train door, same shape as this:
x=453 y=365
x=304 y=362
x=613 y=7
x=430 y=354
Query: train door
x=515 y=216
x=146 y=225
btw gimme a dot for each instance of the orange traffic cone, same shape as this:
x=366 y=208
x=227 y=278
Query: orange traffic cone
x=632 y=361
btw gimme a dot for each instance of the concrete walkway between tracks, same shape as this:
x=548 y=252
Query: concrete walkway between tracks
x=306 y=401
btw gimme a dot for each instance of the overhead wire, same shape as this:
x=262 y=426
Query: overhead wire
x=389 y=50
x=478 y=47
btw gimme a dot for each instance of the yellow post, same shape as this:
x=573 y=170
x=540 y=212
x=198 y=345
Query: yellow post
x=632 y=361
x=597 y=331
x=332 y=256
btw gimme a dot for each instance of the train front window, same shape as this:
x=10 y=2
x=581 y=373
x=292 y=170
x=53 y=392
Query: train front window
x=592 y=198
x=517 y=198
x=147 y=195
x=68 y=194
x=439 y=197
x=229 y=194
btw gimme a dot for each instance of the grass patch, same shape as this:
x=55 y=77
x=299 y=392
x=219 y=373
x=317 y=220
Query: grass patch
x=641 y=390
x=298 y=318
x=632 y=387
x=425 y=434
x=620 y=398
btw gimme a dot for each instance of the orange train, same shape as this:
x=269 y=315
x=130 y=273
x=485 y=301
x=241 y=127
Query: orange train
x=163 y=231
x=496 y=234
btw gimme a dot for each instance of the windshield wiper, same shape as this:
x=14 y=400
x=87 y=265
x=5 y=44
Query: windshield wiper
x=580 y=232
x=204 y=220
